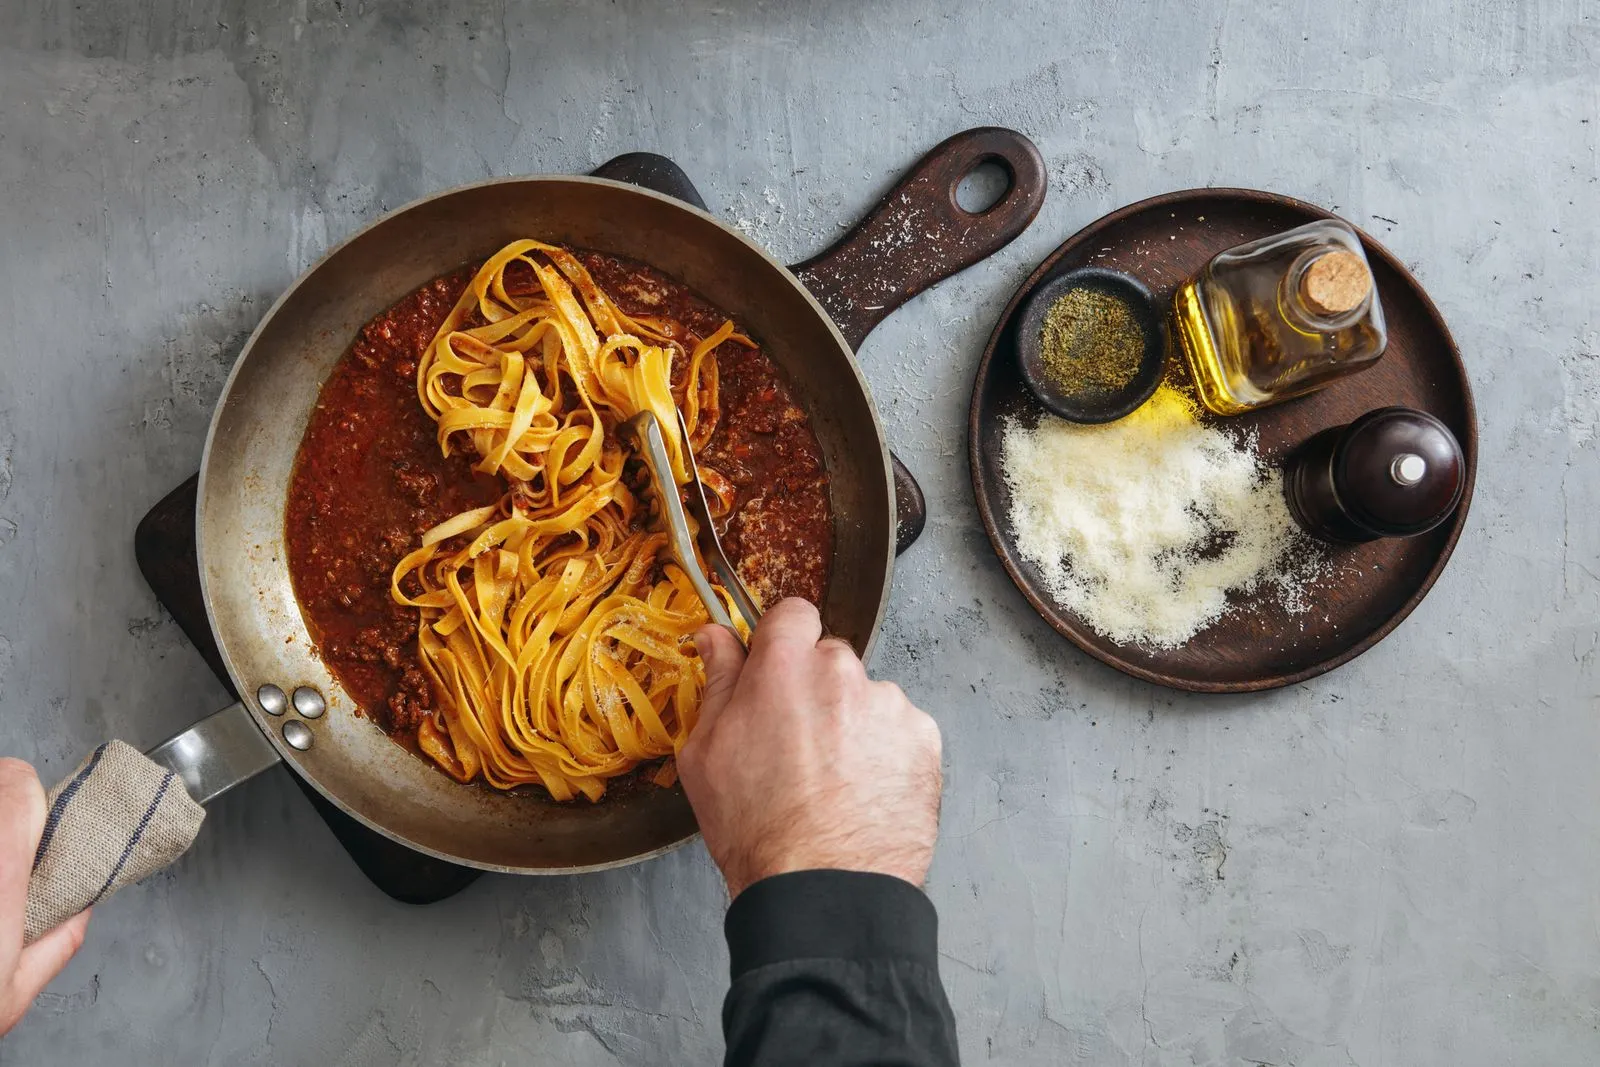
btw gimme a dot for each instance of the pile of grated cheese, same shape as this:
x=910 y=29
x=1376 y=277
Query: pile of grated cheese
x=1142 y=527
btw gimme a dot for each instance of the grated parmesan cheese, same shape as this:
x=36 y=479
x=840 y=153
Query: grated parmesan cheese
x=1143 y=526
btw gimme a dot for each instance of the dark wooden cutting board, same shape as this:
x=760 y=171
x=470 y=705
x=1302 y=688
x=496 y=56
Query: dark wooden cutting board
x=1365 y=591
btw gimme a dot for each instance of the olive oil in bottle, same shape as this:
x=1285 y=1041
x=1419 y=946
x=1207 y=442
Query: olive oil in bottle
x=1280 y=317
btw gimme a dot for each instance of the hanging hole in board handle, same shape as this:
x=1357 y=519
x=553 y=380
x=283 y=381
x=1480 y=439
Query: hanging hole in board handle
x=983 y=187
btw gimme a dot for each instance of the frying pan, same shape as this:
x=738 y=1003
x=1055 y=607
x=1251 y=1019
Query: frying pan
x=808 y=318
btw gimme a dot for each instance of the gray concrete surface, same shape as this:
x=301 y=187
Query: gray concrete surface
x=1393 y=864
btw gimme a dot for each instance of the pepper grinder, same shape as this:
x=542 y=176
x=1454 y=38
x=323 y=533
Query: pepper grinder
x=1394 y=472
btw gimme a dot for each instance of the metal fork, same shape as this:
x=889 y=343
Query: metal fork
x=644 y=431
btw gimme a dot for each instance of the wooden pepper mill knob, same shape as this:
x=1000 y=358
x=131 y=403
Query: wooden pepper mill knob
x=1394 y=472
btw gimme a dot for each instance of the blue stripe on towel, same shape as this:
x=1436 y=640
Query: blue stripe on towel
x=53 y=820
x=133 y=842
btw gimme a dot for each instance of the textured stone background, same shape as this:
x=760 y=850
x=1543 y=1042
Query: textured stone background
x=1394 y=864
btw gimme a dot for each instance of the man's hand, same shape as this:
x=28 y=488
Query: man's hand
x=800 y=761
x=25 y=971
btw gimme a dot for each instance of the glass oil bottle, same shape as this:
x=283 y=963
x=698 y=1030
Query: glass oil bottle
x=1280 y=317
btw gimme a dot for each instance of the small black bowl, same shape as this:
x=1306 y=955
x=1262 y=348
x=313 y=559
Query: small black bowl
x=1097 y=406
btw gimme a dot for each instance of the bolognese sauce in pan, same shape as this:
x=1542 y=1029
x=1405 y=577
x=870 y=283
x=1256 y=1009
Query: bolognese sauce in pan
x=370 y=479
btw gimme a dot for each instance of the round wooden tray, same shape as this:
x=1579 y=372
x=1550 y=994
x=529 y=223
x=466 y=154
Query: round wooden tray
x=1365 y=590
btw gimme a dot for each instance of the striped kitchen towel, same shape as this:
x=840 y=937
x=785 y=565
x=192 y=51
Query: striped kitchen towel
x=118 y=818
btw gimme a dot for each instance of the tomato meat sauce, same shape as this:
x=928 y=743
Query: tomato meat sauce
x=369 y=480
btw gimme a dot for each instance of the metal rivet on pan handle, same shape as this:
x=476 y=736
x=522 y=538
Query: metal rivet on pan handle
x=297 y=734
x=309 y=703
x=271 y=699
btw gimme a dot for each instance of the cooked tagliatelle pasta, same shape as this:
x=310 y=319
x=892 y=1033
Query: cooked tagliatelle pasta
x=551 y=625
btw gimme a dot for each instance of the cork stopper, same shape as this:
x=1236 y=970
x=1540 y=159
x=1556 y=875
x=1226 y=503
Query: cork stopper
x=1335 y=283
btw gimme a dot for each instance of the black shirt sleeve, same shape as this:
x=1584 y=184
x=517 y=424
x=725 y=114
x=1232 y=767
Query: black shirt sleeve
x=835 y=969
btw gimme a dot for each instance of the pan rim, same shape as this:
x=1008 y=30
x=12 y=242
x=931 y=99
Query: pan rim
x=290 y=755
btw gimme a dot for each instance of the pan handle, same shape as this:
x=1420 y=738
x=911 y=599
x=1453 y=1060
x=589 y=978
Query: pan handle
x=122 y=816
x=220 y=751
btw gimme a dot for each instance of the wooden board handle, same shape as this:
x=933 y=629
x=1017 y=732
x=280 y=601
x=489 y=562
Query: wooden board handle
x=650 y=171
x=918 y=235
x=910 y=506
